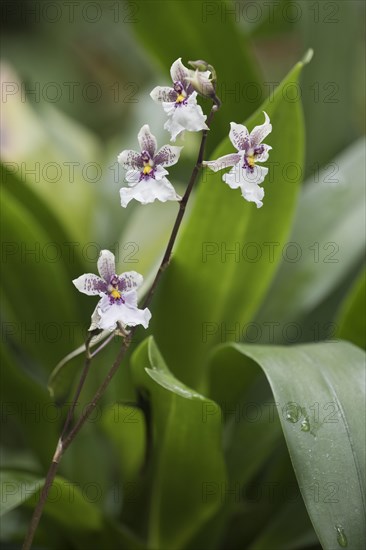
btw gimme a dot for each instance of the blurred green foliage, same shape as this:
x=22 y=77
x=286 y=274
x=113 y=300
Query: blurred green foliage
x=173 y=457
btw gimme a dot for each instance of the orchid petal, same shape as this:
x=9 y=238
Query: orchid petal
x=95 y=320
x=106 y=265
x=223 y=162
x=163 y=93
x=127 y=314
x=147 y=140
x=130 y=159
x=147 y=191
x=178 y=71
x=239 y=136
x=259 y=133
x=160 y=172
x=186 y=116
x=233 y=178
x=90 y=284
x=264 y=155
x=129 y=280
x=253 y=193
x=133 y=176
x=167 y=155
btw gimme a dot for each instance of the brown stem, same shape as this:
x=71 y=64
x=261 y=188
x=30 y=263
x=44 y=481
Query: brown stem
x=182 y=208
x=83 y=376
x=43 y=497
x=66 y=440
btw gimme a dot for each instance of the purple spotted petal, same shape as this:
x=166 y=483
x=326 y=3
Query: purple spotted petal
x=223 y=162
x=90 y=284
x=179 y=72
x=106 y=265
x=129 y=281
x=167 y=155
x=163 y=93
x=259 y=133
x=239 y=136
x=147 y=140
x=130 y=160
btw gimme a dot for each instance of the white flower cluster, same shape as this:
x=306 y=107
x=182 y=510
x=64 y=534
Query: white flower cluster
x=146 y=176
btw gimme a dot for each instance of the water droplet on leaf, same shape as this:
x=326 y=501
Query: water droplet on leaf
x=341 y=537
x=305 y=425
x=292 y=412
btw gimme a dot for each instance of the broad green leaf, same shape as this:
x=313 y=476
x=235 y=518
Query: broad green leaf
x=67 y=503
x=27 y=411
x=322 y=253
x=56 y=156
x=223 y=265
x=253 y=444
x=124 y=426
x=194 y=24
x=72 y=506
x=184 y=453
x=16 y=488
x=60 y=236
x=36 y=286
x=319 y=391
x=351 y=320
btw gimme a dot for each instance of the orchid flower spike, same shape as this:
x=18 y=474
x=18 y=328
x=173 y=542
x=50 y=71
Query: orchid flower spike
x=118 y=303
x=180 y=102
x=146 y=170
x=245 y=173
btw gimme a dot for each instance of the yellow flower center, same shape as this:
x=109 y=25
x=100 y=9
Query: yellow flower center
x=251 y=160
x=147 y=168
x=116 y=294
x=180 y=98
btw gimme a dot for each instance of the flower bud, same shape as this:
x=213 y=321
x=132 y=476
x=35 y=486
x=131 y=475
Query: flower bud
x=202 y=66
x=203 y=80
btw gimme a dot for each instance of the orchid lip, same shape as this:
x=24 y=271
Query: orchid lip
x=147 y=176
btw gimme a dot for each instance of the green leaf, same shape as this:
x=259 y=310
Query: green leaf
x=27 y=411
x=289 y=529
x=16 y=488
x=319 y=394
x=59 y=234
x=71 y=506
x=218 y=291
x=124 y=426
x=67 y=504
x=351 y=320
x=194 y=24
x=184 y=451
x=36 y=280
x=322 y=253
x=333 y=89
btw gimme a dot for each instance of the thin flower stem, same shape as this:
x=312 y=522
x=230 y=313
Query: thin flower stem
x=66 y=440
x=182 y=208
x=59 y=451
x=40 y=504
x=105 y=343
x=83 y=376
